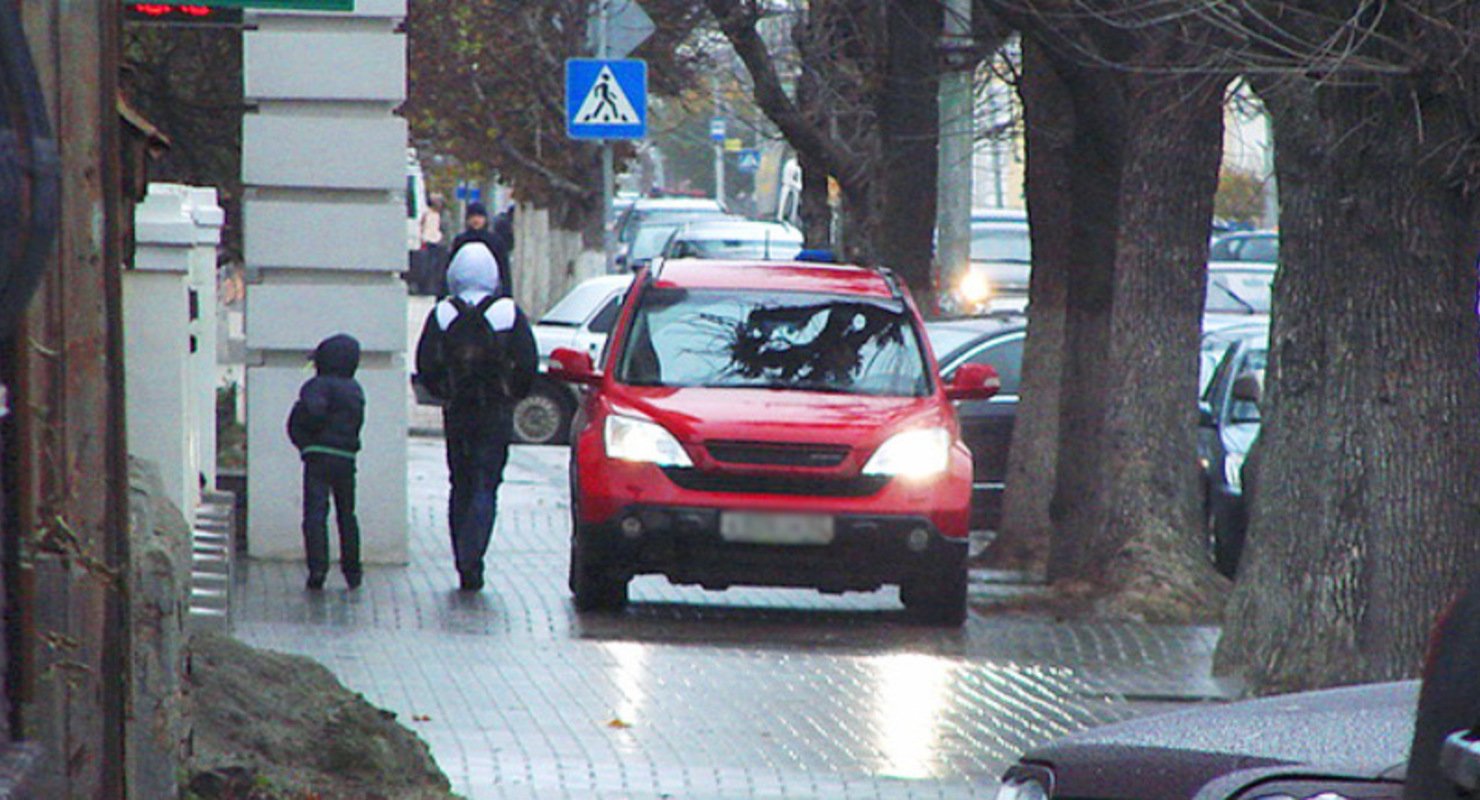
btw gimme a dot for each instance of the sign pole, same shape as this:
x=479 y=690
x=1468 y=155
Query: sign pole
x=608 y=179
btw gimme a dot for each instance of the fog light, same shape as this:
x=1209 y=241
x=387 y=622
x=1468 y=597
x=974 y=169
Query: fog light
x=631 y=527
x=918 y=540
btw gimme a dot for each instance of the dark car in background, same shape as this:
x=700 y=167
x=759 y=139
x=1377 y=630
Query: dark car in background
x=1228 y=424
x=986 y=425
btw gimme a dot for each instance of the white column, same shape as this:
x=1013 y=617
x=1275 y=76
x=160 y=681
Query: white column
x=162 y=390
x=323 y=162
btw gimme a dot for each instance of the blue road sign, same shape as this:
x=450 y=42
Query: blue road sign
x=748 y=160
x=717 y=129
x=605 y=98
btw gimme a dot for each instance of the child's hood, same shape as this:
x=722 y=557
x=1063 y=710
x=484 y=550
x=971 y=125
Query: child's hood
x=338 y=355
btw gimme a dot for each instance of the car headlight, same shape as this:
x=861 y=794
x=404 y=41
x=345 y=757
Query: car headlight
x=974 y=287
x=1233 y=471
x=918 y=453
x=1022 y=789
x=633 y=439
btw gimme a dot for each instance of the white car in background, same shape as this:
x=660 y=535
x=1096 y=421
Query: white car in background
x=580 y=321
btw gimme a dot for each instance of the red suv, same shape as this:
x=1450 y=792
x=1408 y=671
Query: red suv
x=775 y=424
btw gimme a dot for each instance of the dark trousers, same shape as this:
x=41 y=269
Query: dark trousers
x=477 y=450
x=325 y=476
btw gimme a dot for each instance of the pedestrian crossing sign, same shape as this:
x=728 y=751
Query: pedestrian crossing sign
x=605 y=98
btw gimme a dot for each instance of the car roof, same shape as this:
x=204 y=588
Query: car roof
x=673 y=203
x=780 y=276
x=999 y=215
x=1242 y=266
x=615 y=281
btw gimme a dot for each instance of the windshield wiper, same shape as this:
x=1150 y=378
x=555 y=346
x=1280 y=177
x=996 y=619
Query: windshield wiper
x=1249 y=307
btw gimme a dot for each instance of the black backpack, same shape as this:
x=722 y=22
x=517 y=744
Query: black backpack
x=481 y=366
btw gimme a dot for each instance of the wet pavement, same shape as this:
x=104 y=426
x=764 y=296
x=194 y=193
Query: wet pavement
x=746 y=693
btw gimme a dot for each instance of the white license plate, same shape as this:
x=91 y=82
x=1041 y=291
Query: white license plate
x=749 y=527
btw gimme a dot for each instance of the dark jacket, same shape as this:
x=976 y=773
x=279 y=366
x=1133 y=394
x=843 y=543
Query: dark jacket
x=472 y=279
x=331 y=405
x=500 y=249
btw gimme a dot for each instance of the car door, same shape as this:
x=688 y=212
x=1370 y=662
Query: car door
x=986 y=425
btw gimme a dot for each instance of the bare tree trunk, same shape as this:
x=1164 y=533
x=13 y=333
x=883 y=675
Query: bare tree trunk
x=909 y=123
x=1048 y=109
x=1151 y=561
x=1077 y=509
x=1368 y=499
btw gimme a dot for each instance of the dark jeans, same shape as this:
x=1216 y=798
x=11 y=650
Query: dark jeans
x=323 y=476
x=477 y=449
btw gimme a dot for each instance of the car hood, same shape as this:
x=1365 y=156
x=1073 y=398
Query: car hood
x=777 y=415
x=1360 y=732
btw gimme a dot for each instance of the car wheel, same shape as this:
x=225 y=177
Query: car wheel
x=592 y=584
x=937 y=599
x=1224 y=544
x=541 y=417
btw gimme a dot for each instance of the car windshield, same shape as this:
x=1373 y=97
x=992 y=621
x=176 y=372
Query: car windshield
x=650 y=240
x=778 y=246
x=1239 y=292
x=637 y=218
x=946 y=339
x=1001 y=243
x=774 y=340
x=577 y=307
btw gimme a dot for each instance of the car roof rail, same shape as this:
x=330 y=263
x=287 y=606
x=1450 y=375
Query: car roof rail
x=892 y=280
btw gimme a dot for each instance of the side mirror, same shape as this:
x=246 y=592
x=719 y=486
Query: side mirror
x=1204 y=414
x=973 y=382
x=573 y=366
x=1249 y=386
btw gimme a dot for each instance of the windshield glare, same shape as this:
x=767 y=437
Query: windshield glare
x=787 y=340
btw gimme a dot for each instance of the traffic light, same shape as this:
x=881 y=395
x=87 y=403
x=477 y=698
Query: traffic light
x=180 y=14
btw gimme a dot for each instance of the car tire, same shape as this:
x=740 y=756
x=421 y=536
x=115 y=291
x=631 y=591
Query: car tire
x=937 y=599
x=1224 y=544
x=593 y=586
x=542 y=416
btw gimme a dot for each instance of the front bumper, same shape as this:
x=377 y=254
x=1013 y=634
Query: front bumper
x=684 y=544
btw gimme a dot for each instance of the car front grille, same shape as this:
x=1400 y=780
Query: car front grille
x=778 y=454
x=701 y=481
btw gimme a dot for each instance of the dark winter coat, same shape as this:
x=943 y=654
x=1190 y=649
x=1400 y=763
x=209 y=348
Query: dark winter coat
x=472 y=278
x=331 y=405
x=497 y=246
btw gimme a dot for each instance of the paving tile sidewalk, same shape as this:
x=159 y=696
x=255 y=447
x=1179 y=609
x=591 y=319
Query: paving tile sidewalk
x=748 y=693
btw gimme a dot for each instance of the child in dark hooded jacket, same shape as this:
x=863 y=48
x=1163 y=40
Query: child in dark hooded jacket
x=325 y=427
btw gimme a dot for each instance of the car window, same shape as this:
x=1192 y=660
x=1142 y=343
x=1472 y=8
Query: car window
x=575 y=307
x=1225 y=249
x=774 y=249
x=774 y=340
x=1247 y=410
x=1239 y=291
x=1005 y=354
x=607 y=316
x=1260 y=248
x=649 y=241
x=1001 y=243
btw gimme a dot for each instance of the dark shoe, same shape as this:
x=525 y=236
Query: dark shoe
x=315 y=582
x=353 y=579
x=470 y=583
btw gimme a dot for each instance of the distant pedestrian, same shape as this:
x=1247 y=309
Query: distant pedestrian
x=477 y=353
x=431 y=258
x=478 y=230
x=503 y=227
x=325 y=427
